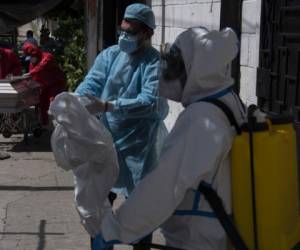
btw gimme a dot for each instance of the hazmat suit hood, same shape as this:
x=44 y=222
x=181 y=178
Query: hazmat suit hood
x=207 y=56
x=32 y=50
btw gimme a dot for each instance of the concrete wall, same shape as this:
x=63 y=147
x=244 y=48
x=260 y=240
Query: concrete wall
x=250 y=49
x=34 y=25
x=174 y=16
x=177 y=15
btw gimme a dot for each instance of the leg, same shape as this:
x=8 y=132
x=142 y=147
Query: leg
x=111 y=197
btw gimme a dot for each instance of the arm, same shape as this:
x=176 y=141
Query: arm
x=147 y=99
x=46 y=61
x=94 y=81
x=191 y=152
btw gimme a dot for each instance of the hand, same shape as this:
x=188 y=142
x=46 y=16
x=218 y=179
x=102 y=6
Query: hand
x=96 y=105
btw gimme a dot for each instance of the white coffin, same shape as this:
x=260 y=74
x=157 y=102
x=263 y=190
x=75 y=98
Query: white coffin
x=18 y=93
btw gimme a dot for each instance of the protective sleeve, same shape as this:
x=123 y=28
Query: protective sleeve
x=94 y=81
x=193 y=149
x=147 y=99
x=46 y=61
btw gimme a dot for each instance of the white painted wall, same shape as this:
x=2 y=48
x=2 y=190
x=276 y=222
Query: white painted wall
x=34 y=25
x=179 y=15
x=250 y=49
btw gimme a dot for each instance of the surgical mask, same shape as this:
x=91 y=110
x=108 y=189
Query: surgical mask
x=129 y=43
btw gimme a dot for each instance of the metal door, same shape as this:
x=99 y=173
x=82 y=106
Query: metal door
x=278 y=77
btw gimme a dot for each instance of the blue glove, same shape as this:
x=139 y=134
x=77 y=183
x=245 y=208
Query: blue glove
x=100 y=244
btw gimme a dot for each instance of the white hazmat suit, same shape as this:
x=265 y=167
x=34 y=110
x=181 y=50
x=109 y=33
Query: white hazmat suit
x=197 y=149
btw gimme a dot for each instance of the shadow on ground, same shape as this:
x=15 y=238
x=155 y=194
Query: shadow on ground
x=33 y=144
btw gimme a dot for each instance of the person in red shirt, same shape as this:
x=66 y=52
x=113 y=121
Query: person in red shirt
x=44 y=69
x=9 y=63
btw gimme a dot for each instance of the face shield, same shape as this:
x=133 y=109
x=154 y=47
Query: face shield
x=172 y=73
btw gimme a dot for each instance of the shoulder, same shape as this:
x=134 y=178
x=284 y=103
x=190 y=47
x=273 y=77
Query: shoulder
x=108 y=53
x=151 y=55
x=47 y=55
x=205 y=116
x=154 y=52
x=150 y=60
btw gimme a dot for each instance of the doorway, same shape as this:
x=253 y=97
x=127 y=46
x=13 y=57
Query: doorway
x=113 y=12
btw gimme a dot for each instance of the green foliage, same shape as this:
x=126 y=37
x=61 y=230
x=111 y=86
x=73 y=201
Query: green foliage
x=69 y=35
x=72 y=55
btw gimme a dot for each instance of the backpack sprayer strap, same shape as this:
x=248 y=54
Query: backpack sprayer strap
x=211 y=195
x=217 y=206
x=228 y=112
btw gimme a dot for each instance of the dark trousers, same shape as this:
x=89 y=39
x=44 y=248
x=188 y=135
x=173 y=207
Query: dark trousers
x=143 y=244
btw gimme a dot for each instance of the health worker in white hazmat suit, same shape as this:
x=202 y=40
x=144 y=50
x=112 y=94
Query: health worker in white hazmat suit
x=196 y=69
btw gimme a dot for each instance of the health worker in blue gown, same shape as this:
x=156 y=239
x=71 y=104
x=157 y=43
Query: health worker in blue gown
x=123 y=86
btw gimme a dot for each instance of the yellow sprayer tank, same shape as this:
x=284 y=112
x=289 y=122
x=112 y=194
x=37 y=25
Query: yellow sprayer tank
x=276 y=185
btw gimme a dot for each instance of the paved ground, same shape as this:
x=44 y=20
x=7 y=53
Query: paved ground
x=36 y=200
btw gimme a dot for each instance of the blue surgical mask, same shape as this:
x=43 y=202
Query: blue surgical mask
x=129 y=43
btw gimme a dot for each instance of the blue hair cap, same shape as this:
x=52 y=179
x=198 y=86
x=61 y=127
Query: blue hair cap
x=142 y=13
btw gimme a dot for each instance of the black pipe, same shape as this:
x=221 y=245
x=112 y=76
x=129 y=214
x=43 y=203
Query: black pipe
x=231 y=16
x=251 y=123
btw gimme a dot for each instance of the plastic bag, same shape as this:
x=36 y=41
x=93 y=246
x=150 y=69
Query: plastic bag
x=81 y=142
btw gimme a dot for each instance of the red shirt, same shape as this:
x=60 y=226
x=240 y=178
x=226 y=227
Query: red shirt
x=9 y=63
x=47 y=73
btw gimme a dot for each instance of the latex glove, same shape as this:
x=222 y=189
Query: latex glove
x=100 y=244
x=95 y=105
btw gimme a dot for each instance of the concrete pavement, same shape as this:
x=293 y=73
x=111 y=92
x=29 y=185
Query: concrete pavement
x=36 y=200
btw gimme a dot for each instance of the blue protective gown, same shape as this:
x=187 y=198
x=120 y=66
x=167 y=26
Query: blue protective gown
x=136 y=123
